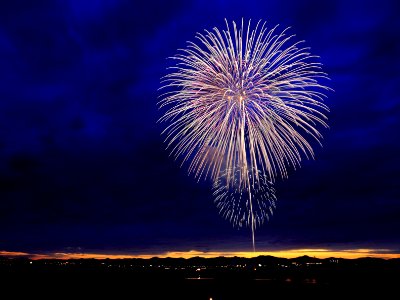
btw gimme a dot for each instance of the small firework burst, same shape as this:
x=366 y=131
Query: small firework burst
x=243 y=206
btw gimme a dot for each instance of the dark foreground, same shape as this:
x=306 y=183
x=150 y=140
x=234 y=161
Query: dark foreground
x=220 y=278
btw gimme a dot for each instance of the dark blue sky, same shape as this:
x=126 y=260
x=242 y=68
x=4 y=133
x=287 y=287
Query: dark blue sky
x=82 y=164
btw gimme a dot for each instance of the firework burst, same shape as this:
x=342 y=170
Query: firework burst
x=240 y=104
x=234 y=202
x=243 y=99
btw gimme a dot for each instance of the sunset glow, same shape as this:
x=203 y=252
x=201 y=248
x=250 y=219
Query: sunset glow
x=293 y=253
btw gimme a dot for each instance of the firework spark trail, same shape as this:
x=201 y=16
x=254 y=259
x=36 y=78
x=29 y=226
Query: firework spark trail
x=243 y=99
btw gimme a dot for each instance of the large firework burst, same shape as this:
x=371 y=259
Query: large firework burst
x=240 y=105
x=243 y=99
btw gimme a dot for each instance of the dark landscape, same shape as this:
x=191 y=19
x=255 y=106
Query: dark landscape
x=202 y=278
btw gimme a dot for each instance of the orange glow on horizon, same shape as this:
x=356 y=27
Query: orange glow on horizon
x=13 y=253
x=293 y=253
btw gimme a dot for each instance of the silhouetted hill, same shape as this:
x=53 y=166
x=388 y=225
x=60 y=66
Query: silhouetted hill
x=156 y=262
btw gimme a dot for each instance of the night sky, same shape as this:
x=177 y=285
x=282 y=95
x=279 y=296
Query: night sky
x=83 y=166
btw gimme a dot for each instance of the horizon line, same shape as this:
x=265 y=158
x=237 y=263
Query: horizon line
x=320 y=253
